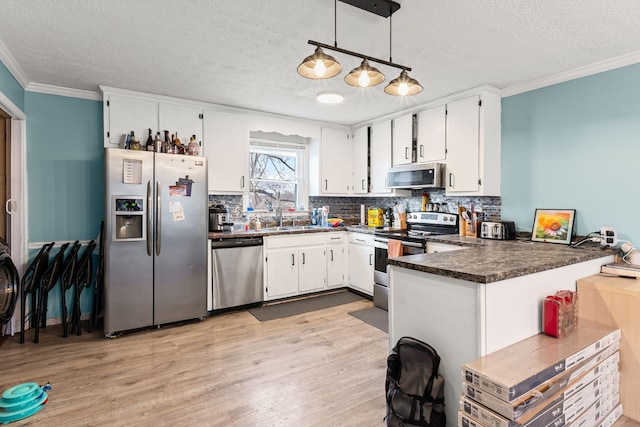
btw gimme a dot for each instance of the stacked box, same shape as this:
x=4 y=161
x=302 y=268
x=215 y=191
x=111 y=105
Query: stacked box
x=544 y=381
x=569 y=408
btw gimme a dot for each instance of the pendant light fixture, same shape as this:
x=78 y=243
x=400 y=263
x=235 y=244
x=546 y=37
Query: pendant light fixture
x=364 y=76
x=319 y=66
x=323 y=66
x=403 y=85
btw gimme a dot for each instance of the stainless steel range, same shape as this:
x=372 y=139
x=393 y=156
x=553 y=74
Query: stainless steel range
x=419 y=226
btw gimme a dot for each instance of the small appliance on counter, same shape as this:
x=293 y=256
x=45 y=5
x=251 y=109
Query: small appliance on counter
x=218 y=217
x=498 y=230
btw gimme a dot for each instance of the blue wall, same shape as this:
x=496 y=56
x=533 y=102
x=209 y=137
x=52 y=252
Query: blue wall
x=65 y=167
x=10 y=87
x=65 y=164
x=575 y=145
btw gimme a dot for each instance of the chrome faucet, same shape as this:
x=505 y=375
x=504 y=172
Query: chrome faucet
x=279 y=216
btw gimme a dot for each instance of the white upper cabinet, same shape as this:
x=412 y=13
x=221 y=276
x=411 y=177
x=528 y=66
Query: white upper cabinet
x=360 y=160
x=226 y=144
x=335 y=161
x=431 y=146
x=380 y=156
x=402 y=140
x=182 y=120
x=473 y=146
x=127 y=111
x=123 y=114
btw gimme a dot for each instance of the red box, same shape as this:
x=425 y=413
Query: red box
x=560 y=313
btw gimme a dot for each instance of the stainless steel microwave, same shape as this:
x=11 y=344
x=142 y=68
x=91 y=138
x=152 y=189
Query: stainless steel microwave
x=416 y=175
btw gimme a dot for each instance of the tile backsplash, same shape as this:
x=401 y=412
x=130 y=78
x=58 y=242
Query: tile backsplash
x=348 y=208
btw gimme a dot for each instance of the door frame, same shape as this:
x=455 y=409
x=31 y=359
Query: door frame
x=17 y=204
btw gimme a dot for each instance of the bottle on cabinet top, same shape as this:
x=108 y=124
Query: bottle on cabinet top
x=150 y=146
x=134 y=144
x=157 y=143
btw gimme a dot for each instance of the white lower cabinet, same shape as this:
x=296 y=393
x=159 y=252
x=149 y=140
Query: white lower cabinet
x=336 y=260
x=294 y=265
x=311 y=269
x=361 y=253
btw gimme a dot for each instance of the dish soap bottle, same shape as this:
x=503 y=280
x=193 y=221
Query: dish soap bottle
x=258 y=224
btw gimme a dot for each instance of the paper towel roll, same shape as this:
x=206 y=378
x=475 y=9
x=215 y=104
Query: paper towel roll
x=362 y=217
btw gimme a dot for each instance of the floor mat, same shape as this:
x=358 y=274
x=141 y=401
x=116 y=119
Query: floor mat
x=374 y=316
x=286 y=309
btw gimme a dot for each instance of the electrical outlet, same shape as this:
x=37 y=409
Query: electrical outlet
x=608 y=236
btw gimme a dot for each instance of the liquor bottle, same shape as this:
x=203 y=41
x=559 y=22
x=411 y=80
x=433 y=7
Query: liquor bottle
x=134 y=144
x=174 y=147
x=158 y=143
x=127 y=142
x=150 y=145
x=179 y=144
x=193 y=148
x=166 y=145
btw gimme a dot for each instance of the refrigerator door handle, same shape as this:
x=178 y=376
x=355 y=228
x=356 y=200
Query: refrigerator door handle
x=149 y=223
x=158 y=217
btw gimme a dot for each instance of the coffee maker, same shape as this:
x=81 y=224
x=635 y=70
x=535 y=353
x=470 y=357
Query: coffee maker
x=218 y=216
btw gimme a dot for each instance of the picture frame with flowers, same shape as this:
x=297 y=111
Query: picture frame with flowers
x=553 y=225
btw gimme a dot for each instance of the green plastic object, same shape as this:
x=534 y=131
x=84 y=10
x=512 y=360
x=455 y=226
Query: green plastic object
x=21 y=401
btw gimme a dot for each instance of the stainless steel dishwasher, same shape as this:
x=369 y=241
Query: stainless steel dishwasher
x=236 y=270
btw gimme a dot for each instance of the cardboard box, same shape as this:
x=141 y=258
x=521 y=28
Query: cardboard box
x=569 y=408
x=514 y=370
x=531 y=404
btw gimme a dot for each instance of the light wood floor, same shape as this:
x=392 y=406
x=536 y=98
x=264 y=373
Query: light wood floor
x=324 y=368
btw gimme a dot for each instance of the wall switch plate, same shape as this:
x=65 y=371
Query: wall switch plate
x=608 y=236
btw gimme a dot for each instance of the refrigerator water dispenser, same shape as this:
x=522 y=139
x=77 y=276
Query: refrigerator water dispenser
x=129 y=217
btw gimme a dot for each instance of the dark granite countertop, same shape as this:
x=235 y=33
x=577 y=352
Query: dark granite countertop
x=487 y=261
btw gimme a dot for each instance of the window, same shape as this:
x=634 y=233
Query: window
x=277 y=175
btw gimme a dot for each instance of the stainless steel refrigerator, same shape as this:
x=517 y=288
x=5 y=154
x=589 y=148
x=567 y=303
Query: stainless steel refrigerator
x=155 y=239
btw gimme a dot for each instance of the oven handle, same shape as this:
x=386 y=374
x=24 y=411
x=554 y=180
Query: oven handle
x=412 y=244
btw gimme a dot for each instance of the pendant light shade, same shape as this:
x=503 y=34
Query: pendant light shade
x=319 y=66
x=364 y=76
x=403 y=85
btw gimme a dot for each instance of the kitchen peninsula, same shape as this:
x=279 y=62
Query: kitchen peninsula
x=471 y=302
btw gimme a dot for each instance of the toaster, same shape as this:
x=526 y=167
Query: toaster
x=499 y=230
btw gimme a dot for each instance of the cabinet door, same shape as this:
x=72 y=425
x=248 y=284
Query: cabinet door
x=380 y=156
x=335 y=265
x=361 y=268
x=360 y=159
x=130 y=114
x=312 y=270
x=335 y=162
x=431 y=134
x=181 y=120
x=463 y=145
x=226 y=144
x=402 y=140
x=281 y=273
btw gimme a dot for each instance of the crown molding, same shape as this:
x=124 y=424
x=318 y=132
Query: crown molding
x=12 y=65
x=64 y=91
x=576 y=73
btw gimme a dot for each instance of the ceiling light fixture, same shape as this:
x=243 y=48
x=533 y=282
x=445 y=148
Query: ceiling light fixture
x=323 y=66
x=330 y=98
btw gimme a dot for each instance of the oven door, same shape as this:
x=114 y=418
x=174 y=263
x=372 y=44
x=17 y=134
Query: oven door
x=380 y=261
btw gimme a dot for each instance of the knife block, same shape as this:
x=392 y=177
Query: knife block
x=471 y=229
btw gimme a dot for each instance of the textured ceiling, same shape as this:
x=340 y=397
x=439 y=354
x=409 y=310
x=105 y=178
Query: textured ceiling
x=244 y=53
